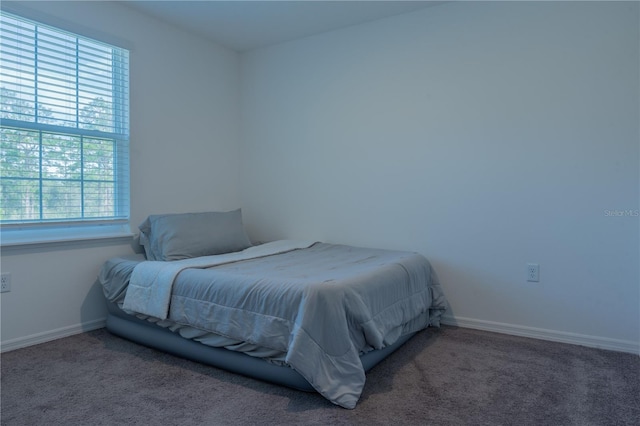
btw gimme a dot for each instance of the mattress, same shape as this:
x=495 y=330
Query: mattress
x=316 y=309
x=248 y=364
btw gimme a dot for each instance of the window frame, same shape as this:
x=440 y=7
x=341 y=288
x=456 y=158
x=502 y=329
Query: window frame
x=34 y=231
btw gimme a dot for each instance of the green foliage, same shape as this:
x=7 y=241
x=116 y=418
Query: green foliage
x=52 y=175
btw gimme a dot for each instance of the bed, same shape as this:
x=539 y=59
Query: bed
x=310 y=315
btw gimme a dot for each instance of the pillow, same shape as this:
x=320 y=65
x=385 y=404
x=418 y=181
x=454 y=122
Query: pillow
x=185 y=235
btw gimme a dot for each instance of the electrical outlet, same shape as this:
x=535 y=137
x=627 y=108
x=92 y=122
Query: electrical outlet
x=533 y=272
x=5 y=282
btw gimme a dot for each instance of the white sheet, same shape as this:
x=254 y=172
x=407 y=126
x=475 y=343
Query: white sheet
x=149 y=290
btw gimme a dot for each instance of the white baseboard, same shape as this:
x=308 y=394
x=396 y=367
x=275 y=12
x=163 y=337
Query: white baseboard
x=544 y=334
x=47 y=336
x=497 y=327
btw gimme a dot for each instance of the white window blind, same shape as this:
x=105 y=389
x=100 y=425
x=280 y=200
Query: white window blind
x=64 y=127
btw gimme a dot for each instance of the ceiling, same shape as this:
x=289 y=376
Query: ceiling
x=244 y=25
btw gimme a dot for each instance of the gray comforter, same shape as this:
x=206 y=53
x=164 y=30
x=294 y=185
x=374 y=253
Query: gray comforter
x=323 y=306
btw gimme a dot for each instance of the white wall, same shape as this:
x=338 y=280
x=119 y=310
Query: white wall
x=484 y=135
x=184 y=157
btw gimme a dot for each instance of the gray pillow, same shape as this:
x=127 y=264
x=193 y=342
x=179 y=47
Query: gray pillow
x=185 y=235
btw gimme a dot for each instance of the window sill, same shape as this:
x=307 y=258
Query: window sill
x=17 y=239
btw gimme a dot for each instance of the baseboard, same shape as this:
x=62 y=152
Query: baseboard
x=47 y=336
x=497 y=327
x=544 y=334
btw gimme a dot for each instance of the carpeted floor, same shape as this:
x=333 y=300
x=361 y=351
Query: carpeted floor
x=450 y=376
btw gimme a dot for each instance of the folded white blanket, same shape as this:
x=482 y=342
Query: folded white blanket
x=149 y=290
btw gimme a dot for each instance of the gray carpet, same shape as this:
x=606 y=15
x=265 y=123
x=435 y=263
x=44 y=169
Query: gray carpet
x=450 y=376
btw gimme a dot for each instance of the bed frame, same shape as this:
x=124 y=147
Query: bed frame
x=154 y=336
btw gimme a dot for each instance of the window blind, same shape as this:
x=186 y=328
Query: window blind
x=64 y=126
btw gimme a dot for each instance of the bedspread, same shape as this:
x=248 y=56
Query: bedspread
x=151 y=283
x=322 y=306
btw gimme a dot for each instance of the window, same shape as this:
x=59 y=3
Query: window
x=64 y=128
